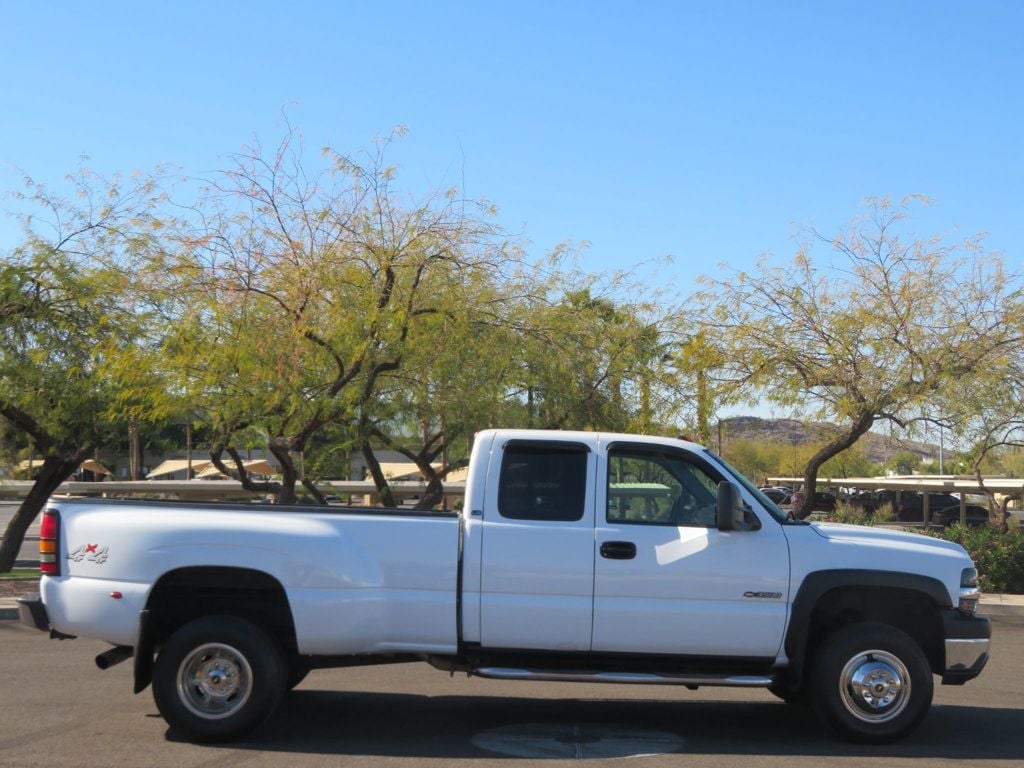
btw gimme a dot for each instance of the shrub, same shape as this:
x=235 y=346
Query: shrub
x=885 y=513
x=855 y=515
x=999 y=555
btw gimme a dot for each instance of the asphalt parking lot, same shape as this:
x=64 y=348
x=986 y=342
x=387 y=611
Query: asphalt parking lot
x=57 y=709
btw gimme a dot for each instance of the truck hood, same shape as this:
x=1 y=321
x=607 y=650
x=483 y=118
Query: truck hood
x=862 y=534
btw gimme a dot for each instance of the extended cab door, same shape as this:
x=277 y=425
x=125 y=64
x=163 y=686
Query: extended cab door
x=666 y=579
x=537 y=575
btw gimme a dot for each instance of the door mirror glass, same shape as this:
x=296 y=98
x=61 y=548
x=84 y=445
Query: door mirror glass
x=730 y=512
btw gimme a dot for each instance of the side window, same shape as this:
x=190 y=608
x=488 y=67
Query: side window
x=542 y=481
x=659 y=489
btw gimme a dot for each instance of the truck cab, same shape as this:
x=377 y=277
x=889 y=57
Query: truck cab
x=610 y=544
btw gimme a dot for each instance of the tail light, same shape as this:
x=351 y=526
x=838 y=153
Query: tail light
x=49 y=535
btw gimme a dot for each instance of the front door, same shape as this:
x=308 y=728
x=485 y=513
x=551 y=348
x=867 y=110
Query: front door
x=666 y=580
x=537 y=578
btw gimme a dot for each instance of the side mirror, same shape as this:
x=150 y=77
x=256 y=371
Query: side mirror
x=729 y=515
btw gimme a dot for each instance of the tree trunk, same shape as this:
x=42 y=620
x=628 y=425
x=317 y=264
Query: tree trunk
x=703 y=409
x=645 y=405
x=830 y=449
x=434 y=493
x=998 y=512
x=317 y=494
x=55 y=470
x=189 y=474
x=386 y=497
x=216 y=456
x=134 y=450
x=289 y=474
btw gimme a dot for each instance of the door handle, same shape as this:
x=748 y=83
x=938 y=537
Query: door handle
x=618 y=550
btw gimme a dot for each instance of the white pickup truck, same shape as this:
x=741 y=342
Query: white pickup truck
x=578 y=557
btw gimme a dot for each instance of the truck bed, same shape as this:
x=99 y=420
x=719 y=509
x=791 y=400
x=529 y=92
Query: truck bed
x=357 y=580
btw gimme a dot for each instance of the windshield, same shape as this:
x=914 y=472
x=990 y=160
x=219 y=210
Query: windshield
x=767 y=503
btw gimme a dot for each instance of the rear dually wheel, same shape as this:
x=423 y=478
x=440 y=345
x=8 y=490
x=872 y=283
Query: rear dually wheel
x=218 y=677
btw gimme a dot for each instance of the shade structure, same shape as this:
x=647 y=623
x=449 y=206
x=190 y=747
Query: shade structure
x=171 y=466
x=253 y=466
x=400 y=470
x=90 y=465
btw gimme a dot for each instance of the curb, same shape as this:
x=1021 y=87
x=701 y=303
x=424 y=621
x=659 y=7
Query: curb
x=1001 y=605
x=8 y=609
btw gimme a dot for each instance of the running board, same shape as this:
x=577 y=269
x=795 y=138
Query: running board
x=638 y=678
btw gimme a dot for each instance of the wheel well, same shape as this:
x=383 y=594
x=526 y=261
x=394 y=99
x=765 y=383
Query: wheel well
x=906 y=609
x=185 y=594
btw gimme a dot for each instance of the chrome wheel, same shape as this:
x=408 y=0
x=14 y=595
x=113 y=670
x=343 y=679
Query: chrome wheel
x=214 y=681
x=874 y=686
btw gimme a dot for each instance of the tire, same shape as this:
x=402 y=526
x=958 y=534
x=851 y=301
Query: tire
x=217 y=678
x=871 y=683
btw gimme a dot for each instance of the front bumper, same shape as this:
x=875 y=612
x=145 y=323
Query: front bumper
x=32 y=612
x=967 y=643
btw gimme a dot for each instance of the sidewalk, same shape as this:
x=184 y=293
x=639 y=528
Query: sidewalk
x=991 y=605
x=1002 y=605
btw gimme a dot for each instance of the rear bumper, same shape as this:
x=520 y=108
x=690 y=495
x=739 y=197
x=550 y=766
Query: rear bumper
x=32 y=613
x=967 y=643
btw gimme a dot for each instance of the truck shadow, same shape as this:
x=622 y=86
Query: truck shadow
x=409 y=725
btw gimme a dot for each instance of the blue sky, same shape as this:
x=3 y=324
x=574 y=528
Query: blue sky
x=698 y=130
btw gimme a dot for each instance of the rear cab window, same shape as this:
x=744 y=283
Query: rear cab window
x=545 y=481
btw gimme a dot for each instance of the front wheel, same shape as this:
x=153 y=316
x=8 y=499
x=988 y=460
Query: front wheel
x=217 y=678
x=871 y=683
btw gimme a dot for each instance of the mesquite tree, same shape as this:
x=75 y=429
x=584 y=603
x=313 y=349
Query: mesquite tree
x=301 y=286
x=73 y=346
x=888 y=323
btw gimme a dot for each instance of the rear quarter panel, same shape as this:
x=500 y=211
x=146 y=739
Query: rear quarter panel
x=355 y=583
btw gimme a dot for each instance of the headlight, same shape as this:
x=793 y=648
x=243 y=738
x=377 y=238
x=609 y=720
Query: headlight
x=969 y=592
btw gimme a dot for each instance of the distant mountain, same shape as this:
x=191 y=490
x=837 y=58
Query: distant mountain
x=877 y=447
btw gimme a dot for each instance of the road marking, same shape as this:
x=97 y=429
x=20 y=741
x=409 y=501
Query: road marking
x=576 y=741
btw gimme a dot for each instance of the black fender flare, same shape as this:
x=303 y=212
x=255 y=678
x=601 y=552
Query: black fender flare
x=149 y=632
x=145 y=647
x=818 y=583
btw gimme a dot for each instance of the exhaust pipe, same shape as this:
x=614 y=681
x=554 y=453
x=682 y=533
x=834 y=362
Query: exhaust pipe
x=115 y=655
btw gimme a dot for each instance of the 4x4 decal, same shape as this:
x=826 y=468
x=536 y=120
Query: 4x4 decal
x=90 y=552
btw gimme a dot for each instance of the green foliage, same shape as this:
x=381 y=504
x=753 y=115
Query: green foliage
x=755 y=459
x=853 y=462
x=75 y=360
x=904 y=462
x=589 y=358
x=999 y=555
x=760 y=459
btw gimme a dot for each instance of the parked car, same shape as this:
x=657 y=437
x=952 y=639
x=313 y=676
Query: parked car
x=778 y=495
x=976 y=515
x=943 y=508
x=823 y=501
